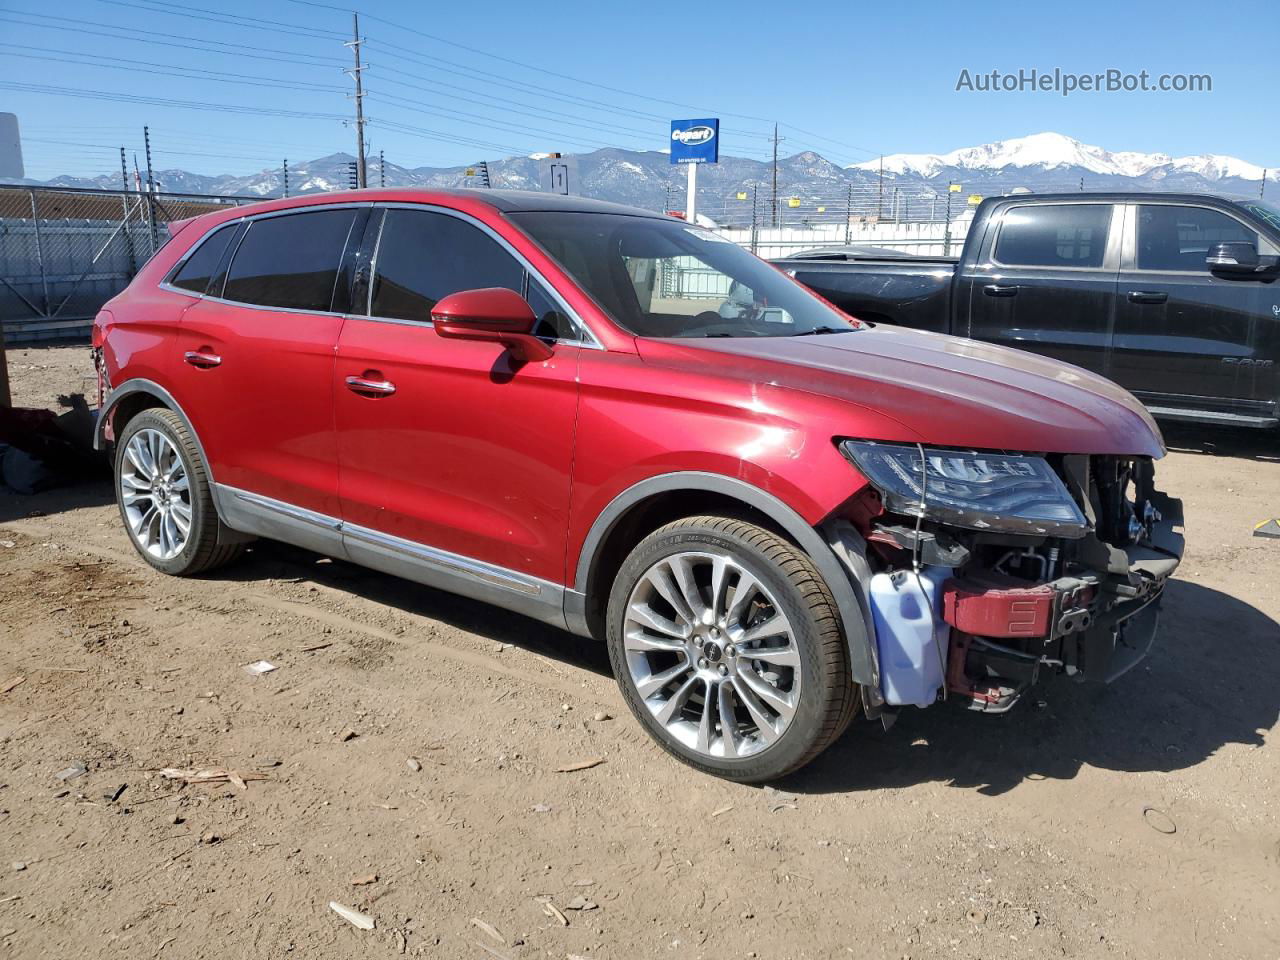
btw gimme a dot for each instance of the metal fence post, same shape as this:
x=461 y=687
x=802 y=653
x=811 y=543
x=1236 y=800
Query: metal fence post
x=44 y=274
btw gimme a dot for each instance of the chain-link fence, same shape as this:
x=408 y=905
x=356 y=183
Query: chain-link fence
x=64 y=253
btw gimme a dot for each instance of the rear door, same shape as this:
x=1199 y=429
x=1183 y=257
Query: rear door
x=258 y=351
x=1184 y=336
x=1045 y=281
x=456 y=465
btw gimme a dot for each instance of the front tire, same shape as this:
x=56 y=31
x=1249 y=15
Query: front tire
x=162 y=489
x=726 y=643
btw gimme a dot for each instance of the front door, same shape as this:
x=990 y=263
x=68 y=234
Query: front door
x=1184 y=336
x=455 y=458
x=258 y=349
x=1047 y=283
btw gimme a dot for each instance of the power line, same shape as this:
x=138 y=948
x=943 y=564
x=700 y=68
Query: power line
x=165 y=102
x=518 y=63
x=201 y=44
x=191 y=73
x=155 y=6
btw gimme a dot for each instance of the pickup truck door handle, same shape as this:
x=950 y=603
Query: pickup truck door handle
x=1148 y=296
x=368 y=387
x=204 y=358
x=1000 y=290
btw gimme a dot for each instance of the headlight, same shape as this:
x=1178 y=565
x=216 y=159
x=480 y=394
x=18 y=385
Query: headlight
x=980 y=491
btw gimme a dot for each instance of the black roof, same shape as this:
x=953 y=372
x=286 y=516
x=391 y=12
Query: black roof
x=1122 y=196
x=518 y=201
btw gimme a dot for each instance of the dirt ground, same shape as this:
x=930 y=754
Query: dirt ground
x=1139 y=820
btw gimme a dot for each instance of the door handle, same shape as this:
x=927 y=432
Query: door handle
x=369 y=387
x=1000 y=290
x=204 y=358
x=1148 y=296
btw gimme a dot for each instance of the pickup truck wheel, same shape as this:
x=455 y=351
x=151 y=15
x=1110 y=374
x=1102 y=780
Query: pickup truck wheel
x=727 y=645
x=162 y=489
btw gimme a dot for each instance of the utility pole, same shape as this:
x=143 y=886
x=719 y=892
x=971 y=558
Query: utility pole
x=362 y=174
x=286 y=176
x=382 y=169
x=773 y=204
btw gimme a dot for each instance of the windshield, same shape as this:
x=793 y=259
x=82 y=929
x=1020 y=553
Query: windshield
x=1266 y=211
x=665 y=278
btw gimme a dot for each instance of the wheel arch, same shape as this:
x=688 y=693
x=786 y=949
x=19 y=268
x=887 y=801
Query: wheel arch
x=131 y=398
x=652 y=502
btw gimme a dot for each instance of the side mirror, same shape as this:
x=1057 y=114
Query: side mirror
x=495 y=314
x=1236 y=257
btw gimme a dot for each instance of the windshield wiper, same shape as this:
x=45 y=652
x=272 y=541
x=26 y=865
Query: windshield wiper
x=819 y=331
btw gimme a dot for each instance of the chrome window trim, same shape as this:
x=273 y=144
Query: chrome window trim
x=589 y=341
x=251 y=218
x=1129 y=258
x=182 y=261
x=1110 y=251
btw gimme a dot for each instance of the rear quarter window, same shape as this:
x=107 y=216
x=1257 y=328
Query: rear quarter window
x=290 y=261
x=1054 y=235
x=195 y=272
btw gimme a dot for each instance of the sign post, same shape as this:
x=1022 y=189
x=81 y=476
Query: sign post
x=694 y=142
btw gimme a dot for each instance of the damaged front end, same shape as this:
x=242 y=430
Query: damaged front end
x=989 y=569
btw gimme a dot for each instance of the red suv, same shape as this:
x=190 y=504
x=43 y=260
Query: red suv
x=615 y=422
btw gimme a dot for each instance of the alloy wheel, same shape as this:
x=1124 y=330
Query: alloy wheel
x=155 y=493
x=712 y=655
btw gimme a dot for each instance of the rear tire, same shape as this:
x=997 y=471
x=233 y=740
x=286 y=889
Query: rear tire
x=164 y=496
x=726 y=643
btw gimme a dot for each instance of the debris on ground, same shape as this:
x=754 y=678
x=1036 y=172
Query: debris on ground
x=73 y=771
x=213 y=775
x=259 y=668
x=722 y=810
x=365 y=880
x=210 y=837
x=490 y=929
x=600 y=716
x=1159 y=821
x=581 y=765
x=581 y=903
x=15 y=682
x=357 y=919
x=345 y=734
x=413 y=764
x=540 y=808
x=551 y=910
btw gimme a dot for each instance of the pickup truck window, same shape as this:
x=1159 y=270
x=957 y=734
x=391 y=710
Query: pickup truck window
x=1266 y=211
x=1054 y=235
x=1178 y=238
x=664 y=278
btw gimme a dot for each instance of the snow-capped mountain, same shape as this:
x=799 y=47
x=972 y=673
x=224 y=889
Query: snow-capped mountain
x=914 y=184
x=1054 y=152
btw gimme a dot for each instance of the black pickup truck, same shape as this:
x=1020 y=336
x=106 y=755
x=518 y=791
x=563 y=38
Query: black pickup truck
x=1175 y=297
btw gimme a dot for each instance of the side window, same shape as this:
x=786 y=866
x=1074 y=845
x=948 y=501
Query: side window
x=1054 y=235
x=1179 y=238
x=424 y=256
x=290 y=261
x=194 y=275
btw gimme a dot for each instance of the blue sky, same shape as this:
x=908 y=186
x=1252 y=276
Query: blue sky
x=457 y=82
